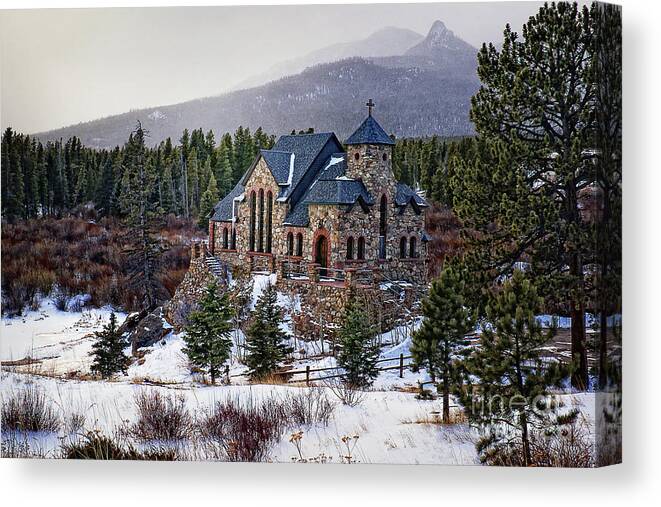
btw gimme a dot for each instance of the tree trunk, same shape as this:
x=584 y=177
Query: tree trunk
x=579 y=379
x=446 y=400
x=603 y=350
x=525 y=440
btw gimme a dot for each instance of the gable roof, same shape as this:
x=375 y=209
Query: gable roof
x=369 y=132
x=224 y=210
x=279 y=163
x=405 y=194
x=305 y=148
x=290 y=159
x=330 y=187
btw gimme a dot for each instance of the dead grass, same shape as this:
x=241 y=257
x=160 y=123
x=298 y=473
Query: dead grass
x=29 y=410
x=456 y=417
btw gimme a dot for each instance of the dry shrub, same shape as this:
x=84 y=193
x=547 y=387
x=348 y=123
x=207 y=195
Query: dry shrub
x=236 y=431
x=309 y=406
x=445 y=230
x=345 y=392
x=569 y=446
x=17 y=445
x=74 y=422
x=75 y=256
x=161 y=417
x=29 y=410
x=95 y=445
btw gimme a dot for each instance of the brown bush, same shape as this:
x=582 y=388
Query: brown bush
x=161 y=417
x=74 y=255
x=243 y=431
x=570 y=446
x=29 y=410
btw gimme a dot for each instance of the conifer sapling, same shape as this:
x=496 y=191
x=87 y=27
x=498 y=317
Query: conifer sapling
x=359 y=352
x=438 y=344
x=208 y=335
x=265 y=345
x=108 y=350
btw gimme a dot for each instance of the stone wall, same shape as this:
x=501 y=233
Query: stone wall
x=323 y=306
x=191 y=289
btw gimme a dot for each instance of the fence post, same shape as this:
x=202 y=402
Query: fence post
x=401 y=366
x=307 y=375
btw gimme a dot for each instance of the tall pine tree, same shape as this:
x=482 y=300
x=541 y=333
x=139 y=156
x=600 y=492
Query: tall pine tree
x=209 y=333
x=440 y=341
x=265 y=345
x=521 y=193
x=359 y=350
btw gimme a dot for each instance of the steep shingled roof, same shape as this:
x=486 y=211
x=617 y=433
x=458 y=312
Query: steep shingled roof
x=369 y=132
x=330 y=187
x=222 y=212
x=306 y=148
x=279 y=163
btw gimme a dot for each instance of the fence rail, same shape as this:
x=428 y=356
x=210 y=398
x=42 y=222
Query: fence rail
x=307 y=371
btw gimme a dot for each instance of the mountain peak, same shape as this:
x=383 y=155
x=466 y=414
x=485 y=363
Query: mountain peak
x=437 y=28
x=438 y=39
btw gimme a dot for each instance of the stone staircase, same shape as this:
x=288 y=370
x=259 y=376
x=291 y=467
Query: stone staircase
x=217 y=268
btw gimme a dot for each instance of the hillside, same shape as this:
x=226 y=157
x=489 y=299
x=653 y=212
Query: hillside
x=389 y=41
x=422 y=92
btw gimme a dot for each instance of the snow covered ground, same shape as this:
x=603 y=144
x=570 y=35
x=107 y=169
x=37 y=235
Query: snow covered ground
x=392 y=425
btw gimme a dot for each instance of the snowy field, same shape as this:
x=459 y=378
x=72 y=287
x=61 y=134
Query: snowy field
x=392 y=425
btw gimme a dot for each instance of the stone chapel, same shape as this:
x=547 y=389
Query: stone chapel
x=314 y=208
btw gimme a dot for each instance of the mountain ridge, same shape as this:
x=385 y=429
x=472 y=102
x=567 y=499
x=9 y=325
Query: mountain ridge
x=419 y=94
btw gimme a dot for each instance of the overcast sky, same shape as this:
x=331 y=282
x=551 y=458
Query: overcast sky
x=64 y=66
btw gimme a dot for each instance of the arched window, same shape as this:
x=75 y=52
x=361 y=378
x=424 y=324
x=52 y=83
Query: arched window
x=260 y=227
x=412 y=248
x=361 y=248
x=225 y=238
x=350 y=248
x=269 y=222
x=383 y=226
x=402 y=248
x=253 y=204
x=299 y=244
x=383 y=215
x=290 y=244
x=233 y=238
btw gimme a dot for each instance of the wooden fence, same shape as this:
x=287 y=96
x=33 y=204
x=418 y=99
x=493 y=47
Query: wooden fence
x=307 y=371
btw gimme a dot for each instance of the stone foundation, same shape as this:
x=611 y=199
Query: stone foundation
x=192 y=288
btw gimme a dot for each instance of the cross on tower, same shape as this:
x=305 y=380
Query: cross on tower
x=370 y=104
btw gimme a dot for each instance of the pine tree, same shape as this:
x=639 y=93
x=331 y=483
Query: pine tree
x=359 y=351
x=265 y=345
x=139 y=204
x=108 y=350
x=438 y=344
x=208 y=201
x=521 y=192
x=209 y=333
x=512 y=379
x=607 y=71
x=224 y=178
x=193 y=183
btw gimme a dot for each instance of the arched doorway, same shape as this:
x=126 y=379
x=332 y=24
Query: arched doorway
x=321 y=254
